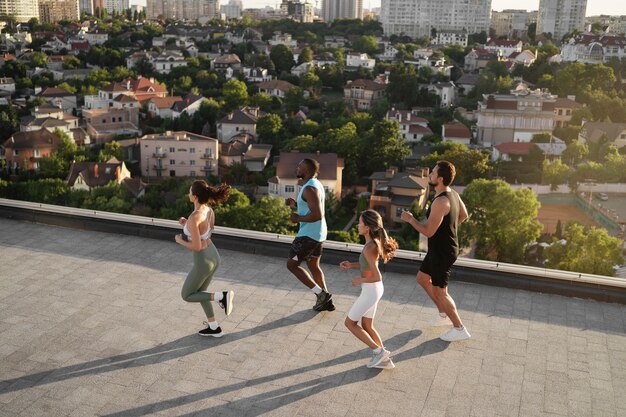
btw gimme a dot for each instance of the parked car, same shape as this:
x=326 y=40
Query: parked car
x=602 y=196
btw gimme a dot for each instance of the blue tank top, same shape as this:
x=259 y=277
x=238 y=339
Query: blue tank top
x=314 y=230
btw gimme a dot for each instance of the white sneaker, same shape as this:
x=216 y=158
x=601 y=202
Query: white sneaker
x=377 y=358
x=455 y=334
x=388 y=364
x=437 y=321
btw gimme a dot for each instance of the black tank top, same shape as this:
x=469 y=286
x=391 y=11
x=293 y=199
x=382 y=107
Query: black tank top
x=445 y=241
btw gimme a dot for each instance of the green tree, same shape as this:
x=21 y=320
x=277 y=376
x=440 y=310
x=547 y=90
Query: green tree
x=574 y=153
x=503 y=221
x=587 y=250
x=306 y=55
x=71 y=62
x=111 y=150
x=268 y=128
x=555 y=173
x=261 y=100
x=470 y=163
x=282 y=57
x=235 y=94
x=383 y=146
x=294 y=98
x=312 y=83
x=39 y=59
x=366 y=43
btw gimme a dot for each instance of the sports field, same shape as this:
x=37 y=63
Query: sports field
x=550 y=214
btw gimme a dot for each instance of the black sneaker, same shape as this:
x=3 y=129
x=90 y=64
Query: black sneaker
x=210 y=332
x=227 y=301
x=322 y=298
x=329 y=306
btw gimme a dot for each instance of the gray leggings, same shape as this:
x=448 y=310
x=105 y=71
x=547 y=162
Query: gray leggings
x=198 y=279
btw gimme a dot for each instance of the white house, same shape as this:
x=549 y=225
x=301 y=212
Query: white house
x=275 y=88
x=412 y=127
x=456 y=132
x=166 y=61
x=446 y=91
x=504 y=47
x=7 y=84
x=450 y=37
x=355 y=60
x=242 y=120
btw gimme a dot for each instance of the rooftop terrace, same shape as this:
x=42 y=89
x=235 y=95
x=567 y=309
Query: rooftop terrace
x=92 y=323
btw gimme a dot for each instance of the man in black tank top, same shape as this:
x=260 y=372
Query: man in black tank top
x=445 y=213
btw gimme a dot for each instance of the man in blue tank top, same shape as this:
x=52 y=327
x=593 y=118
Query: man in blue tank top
x=307 y=246
x=444 y=215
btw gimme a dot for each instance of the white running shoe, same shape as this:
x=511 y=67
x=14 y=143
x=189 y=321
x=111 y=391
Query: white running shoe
x=388 y=364
x=377 y=358
x=455 y=334
x=437 y=321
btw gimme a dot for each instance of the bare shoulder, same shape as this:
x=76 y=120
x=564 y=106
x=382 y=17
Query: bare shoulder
x=371 y=250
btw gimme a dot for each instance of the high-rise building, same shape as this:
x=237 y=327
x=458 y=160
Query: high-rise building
x=512 y=23
x=294 y=9
x=559 y=17
x=51 y=11
x=232 y=10
x=416 y=18
x=342 y=9
x=22 y=10
x=182 y=9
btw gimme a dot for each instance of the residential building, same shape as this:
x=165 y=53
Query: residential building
x=182 y=9
x=95 y=37
x=446 y=91
x=512 y=151
x=394 y=192
x=299 y=11
x=252 y=74
x=356 y=59
x=363 y=94
x=595 y=132
x=426 y=57
x=416 y=18
x=613 y=24
x=466 y=83
x=104 y=124
x=7 y=84
x=232 y=10
x=242 y=150
x=179 y=154
x=514 y=117
x=552 y=150
x=412 y=127
x=563 y=110
x=525 y=58
x=335 y=41
x=242 y=120
x=190 y=104
x=389 y=52
x=285 y=184
x=24 y=150
x=283 y=39
x=223 y=62
x=594 y=49
x=503 y=47
x=90 y=175
x=559 y=17
x=275 y=88
x=141 y=89
x=60 y=98
x=162 y=106
x=456 y=132
x=512 y=23
x=450 y=37
x=476 y=60
x=341 y=9
x=168 y=60
x=22 y=10
x=51 y=11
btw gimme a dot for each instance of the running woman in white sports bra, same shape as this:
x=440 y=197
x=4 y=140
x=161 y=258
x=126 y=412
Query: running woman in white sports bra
x=377 y=245
x=197 y=230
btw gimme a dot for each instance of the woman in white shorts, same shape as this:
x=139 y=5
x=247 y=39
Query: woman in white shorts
x=377 y=245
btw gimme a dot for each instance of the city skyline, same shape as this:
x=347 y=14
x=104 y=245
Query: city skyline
x=593 y=8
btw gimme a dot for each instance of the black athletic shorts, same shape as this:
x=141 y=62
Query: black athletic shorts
x=304 y=248
x=438 y=267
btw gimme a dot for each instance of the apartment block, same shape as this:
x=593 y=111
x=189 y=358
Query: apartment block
x=182 y=9
x=22 y=10
x=559 y=17
x=341 y=9
x=511 y=22
x=179 y=154
x=416 y=18
x=51 y=11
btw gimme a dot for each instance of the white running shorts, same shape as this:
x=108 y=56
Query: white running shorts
x=365 y=305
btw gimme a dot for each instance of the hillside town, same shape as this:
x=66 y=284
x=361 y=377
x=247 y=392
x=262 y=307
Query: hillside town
x=114 y=106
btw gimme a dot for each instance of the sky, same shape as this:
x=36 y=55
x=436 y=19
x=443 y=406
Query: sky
x=594 y=7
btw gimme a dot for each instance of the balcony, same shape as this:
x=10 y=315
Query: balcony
x=159 y=155
x=158 y=167
x=208 y=168
x=207 y=156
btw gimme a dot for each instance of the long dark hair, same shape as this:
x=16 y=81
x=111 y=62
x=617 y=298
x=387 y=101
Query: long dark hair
x=387 y=246
x=207 y=194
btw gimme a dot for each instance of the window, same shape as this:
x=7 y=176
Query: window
x=192 y=162
x=172 y=149
x=290 y=188
x=172 y=162
x=37 y=153
x=16 y=152
x=399 y=211
x=560 y=112
x=192 y=150
x=104 y=121
x=172 y=173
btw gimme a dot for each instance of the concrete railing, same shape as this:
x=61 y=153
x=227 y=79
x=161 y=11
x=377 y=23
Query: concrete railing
x=566 y=283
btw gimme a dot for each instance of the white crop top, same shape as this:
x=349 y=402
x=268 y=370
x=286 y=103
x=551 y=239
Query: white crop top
x=206 y=234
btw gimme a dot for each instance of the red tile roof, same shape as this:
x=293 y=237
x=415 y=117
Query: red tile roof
x=515 y=148
x=457 y=130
